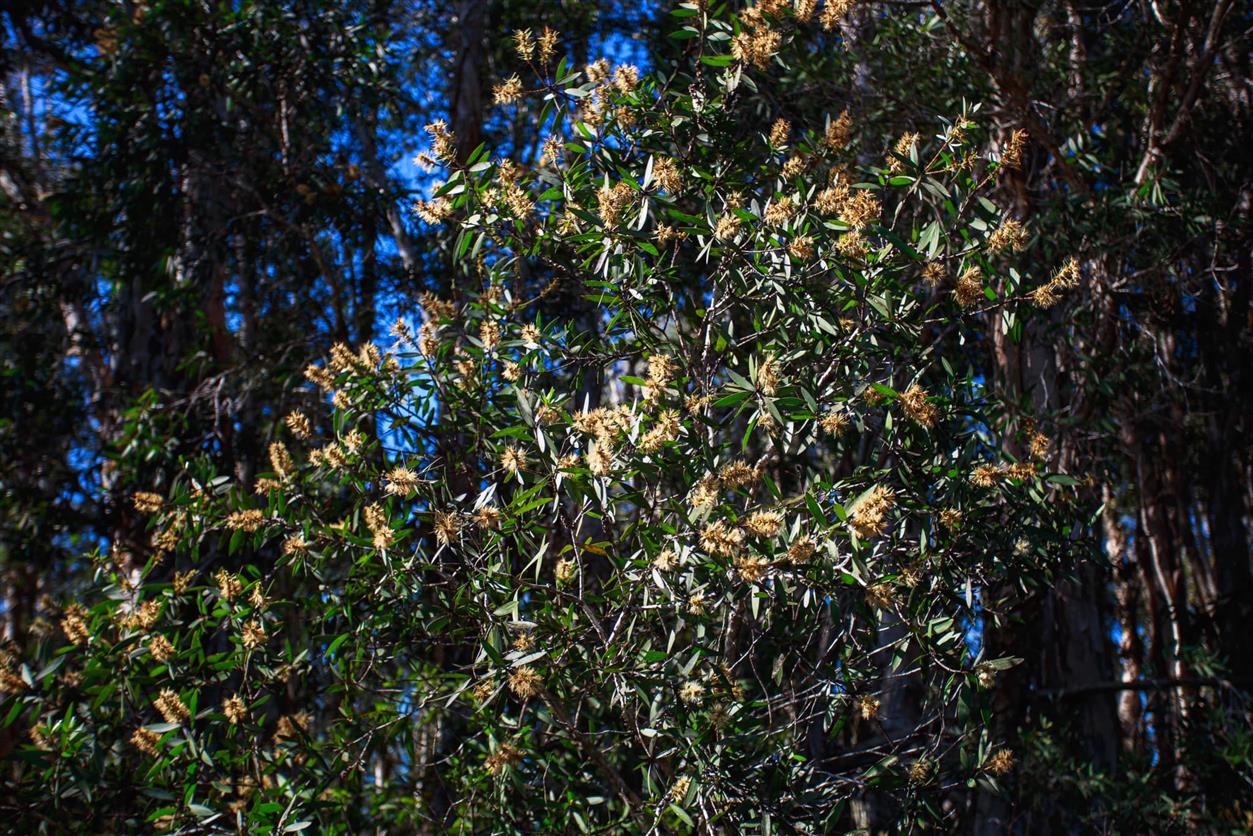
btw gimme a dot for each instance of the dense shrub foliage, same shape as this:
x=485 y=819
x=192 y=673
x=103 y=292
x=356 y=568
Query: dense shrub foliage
x=687 y=510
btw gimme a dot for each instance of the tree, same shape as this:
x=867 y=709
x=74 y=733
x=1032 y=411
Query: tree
x=736 y=589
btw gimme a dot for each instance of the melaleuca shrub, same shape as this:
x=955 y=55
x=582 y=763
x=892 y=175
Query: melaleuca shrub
x=680 y=509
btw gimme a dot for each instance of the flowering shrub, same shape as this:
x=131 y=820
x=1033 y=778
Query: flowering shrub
x=682 y=511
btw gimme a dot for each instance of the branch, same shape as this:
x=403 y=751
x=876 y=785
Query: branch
x=1140 y=685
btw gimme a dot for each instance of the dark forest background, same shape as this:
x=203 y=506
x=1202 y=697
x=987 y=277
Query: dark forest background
x=197 y=199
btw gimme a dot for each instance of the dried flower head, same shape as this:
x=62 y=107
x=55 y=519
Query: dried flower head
x=146 y=741
x=1010 y=235
x=835 y=421
x=868 y=707
x=918 y=408
x=1011 y=157
x=1049 y=294
x=524 y=682
x=969 y=289
x=692 y=692
x=934 y=274
x=801 y=550
x=504 y=758
x=1001 y=763
x=921 y=771
x=880 y=596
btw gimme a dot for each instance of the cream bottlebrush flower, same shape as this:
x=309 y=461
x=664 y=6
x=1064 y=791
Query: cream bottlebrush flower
x=508 y=91
x=299 y=425
x=727 y=227
x=704 y=495
x=1049 y=294
x=247 y=521
x=401 y=481
x=752 y=568
x=447 y=526
x=719 y=539
x=779 y=133
x=768 y=378
x=838 y=132
x=692 y=692
x=513 y=460
x=443 y=143
x=147 y=502
x=146 y=741
x=235 y=710
x=171 y=707
x=253 y=634
x=738 y=474
x=868 y=515
x=764 y=524
x=903 y=148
